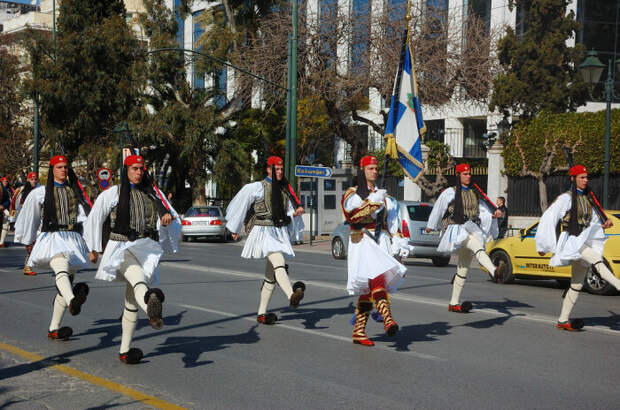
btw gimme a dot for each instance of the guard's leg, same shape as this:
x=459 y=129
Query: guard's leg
x=269 y=283
x=380 y=296
x=362 y=311
x=74 y=296
x=458 y=282
x=593 y=258
x=570 y=298
x=128 y=324
x=5 y=231
x=149 y=299
x=474 y=245
x=27 y=269
x=294 y=293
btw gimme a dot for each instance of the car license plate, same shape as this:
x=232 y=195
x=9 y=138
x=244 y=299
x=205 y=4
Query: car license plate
x=423 y=232
x=202 y=223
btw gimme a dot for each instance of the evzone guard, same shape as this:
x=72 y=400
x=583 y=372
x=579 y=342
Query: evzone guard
x=143 y=225
x=581 y=242
x=17 y=202
x=266 y=208
x=5 y=201
x=58 y=209
x=372 y=271
x=467 y=218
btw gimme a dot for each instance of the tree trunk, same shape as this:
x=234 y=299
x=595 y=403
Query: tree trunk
x=542 y=193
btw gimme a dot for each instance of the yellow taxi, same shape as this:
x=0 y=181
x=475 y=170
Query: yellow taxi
x=523 y=262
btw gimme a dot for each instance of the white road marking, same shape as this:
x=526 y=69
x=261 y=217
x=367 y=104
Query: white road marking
x=517 y=314
x=311 y=332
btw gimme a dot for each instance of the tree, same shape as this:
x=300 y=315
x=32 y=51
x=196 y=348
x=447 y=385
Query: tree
x=15 y=152
x=86 y=84
x=540 y=70
x=534 y=147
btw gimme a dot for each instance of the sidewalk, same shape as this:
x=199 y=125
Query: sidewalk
x=320 y=244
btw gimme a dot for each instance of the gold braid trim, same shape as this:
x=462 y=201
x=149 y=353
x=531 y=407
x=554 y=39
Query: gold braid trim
x=363 y=214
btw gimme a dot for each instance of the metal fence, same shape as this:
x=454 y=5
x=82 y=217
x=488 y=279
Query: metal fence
x=523 y=198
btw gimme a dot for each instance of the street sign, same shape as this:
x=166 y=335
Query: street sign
x=312 y=172
x=104 y=174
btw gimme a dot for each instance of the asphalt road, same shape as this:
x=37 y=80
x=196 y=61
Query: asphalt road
x=211 y=353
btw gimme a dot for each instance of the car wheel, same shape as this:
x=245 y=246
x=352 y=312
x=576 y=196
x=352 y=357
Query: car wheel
x=441 y=261
x=338 y=251
x=500 y=255
x=597 y=285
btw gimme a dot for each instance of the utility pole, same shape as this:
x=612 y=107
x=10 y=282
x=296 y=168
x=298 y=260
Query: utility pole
x=291 y=103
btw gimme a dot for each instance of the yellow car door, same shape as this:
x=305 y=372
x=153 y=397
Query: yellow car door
x=527 y=260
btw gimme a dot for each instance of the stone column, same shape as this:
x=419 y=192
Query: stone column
x=412 y=190
x=497 y=183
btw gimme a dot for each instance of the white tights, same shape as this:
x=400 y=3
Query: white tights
x=470 y=247
x=63 y=276
x=275 y=272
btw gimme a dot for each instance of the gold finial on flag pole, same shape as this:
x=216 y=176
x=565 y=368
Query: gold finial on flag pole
x=408 y=15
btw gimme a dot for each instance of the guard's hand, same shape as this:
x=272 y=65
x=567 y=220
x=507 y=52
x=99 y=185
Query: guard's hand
x=497 y=214
x=94 y=256
x=166 y=219
x=235 y=236
x=608 y=224
x=299 y=211
x=542 y=253
x=427 y=229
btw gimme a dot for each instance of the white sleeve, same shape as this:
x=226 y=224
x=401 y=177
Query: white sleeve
x=29 y=218
x=439 y=209
x=169 y=235
x=393 y=215
x=352 y=202
x=240 y=205
x=488 y=224
x=545 y=234
x=93 y=228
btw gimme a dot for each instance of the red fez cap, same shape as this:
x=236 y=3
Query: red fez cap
x=3 y=179
x=462 y=168
x=133 y=159
x=577 y=170
x=368 y=160
x=32 y=175
x=56 y=159
x=273 y=160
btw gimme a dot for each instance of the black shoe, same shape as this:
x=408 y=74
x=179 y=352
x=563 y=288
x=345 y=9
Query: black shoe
x=63 y=333
x=132 y=356
x=154 y=299
x=298 y=294
x=80 y=291
x=267 y=319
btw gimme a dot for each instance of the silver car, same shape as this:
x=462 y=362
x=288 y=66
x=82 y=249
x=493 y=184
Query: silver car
x=414 y=216
x=203 y=221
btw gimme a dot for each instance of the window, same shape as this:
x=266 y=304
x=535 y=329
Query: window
x=360 y=13
x=345 y=185
x=329 y=25
x=472 y=138
x=305 y=186
x=210 y=211
x=329 y=202
x=600 y=31
x=329 y=184
x=199 y=78
x=419 y=212
x=180 y=24
x=221 y=80
x=435 y=130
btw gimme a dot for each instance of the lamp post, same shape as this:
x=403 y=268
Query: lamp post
x=591 y=70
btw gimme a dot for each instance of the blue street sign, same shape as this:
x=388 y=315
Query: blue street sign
x=314 y=172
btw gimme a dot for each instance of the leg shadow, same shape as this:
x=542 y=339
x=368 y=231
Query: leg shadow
x=312 y=316
x=612 y=321
x=427 y=332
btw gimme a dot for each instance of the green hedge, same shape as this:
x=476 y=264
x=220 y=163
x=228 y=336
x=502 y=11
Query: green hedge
x=567 y=128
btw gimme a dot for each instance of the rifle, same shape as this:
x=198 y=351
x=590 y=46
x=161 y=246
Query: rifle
x=595 y=203
x=485 y=198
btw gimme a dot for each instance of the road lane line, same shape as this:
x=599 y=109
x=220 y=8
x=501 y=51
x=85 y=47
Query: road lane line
x=309 y=331
x=516 y=314
x=99 y=381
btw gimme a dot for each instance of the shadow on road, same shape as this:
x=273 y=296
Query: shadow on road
x=407 y=335
x=311 y=316
x=613 y=321
x=193 y=346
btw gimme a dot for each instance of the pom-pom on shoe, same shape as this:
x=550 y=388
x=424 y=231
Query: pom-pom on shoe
x=80 y=291
x=63 y=333
x=571 y=325
x=364 y=342
x=267 y=319
x=153 y=299
x=464 y=307
x=28 y=271
x=132 y=356
x=298 y=294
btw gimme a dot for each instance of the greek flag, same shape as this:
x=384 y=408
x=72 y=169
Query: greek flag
x=405 y=126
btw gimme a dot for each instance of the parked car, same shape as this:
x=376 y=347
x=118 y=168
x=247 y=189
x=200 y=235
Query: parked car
x=523 y=262
x=203 y=221
x=414 y=216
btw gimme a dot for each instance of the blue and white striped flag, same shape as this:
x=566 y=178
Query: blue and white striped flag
x=405 y=126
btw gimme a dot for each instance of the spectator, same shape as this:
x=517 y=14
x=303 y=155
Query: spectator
x=502 y=222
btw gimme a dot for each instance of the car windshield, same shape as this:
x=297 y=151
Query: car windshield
x=616 y=215
x=203 y=212
x=419 y=212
